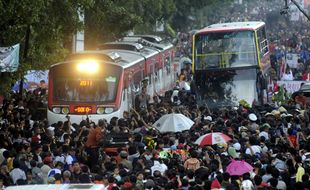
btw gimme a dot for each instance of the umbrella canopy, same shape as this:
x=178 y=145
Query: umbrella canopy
x=174 y=122
x=212 y=138
x=238 y=168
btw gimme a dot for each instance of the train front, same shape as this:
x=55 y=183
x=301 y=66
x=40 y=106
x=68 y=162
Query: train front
x=83 y=89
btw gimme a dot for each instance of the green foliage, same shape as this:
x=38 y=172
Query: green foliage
x=110 y=20
x=52 y=24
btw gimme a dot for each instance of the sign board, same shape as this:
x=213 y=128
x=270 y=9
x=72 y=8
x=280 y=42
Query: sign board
x=290 y=86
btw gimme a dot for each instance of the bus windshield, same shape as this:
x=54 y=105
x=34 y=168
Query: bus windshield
x=225 y=50
x=72 y=87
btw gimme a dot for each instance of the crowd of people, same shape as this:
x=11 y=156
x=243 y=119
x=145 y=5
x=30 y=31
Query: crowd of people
x=273 y=140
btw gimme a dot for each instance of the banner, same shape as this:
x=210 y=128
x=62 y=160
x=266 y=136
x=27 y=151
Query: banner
x=9 y=58
x=290 y=86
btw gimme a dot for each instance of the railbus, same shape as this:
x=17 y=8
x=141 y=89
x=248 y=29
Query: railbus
x=230 y=62
x=99 y=84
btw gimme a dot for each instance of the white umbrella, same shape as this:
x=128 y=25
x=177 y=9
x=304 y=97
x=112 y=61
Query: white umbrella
x=174 y=122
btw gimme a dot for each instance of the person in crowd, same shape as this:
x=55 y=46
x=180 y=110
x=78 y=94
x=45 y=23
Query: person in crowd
x=92 y=144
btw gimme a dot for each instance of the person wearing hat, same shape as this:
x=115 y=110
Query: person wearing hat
x=253 y=125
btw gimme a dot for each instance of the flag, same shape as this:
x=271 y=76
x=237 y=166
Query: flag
x=9 y=58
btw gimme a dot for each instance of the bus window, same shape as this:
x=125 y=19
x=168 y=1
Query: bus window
x=225 y=50
x=262 y=40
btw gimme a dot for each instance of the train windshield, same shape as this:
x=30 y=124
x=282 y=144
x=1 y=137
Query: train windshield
x=69 y=86
x=225 y=50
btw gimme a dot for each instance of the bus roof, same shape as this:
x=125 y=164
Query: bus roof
x=231 y=26
x=58 y=187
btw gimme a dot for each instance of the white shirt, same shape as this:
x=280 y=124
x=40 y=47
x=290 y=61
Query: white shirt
x=287 y=76
x=255 y=148
x=16 y=174
x=264 y=134
x=160 y=167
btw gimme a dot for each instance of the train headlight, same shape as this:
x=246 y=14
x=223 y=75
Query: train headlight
x=56 y=109
x=89 y=66
x=65 y=110
x=109 y=110
x=100 y=110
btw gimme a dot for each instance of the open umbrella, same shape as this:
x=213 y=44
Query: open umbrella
x=238 y=168
x=212 y=138
x=174 y=122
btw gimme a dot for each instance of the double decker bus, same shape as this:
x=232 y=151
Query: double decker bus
x=230 y=62
x=101 y=84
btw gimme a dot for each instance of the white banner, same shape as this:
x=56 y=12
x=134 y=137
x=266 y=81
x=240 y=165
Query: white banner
x=290 y=86
x=292 y=60
x=9 y=58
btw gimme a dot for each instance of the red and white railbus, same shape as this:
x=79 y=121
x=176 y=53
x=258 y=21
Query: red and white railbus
x=98 y=84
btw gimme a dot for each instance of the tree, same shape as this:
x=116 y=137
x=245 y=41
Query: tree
x=109 y=20
x=44 y=29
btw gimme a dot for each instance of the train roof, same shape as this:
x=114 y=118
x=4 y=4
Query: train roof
x=131 y=46
x=150 y=38
x=145 y=42
x=232 y=26
x=123 y=58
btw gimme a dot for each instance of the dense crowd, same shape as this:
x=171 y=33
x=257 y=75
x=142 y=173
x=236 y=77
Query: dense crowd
x=273 y=140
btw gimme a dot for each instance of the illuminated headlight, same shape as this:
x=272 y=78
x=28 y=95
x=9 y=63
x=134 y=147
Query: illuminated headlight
x=56 y=109
x=65 y=110
x=108 y=110
x=100 y=110
x=89 y=66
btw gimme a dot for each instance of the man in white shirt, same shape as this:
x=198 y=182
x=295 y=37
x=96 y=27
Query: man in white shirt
x=253 y=149
x=17 y=173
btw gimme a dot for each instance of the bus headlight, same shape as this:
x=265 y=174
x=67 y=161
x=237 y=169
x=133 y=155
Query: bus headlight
x=65 y=110
x=109 y=110
x=100 y=110
x=56 y=109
